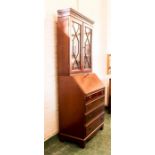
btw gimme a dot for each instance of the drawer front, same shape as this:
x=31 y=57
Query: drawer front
x=94 y=113
x=94 y=125
x=95 y=103
x=95 y=95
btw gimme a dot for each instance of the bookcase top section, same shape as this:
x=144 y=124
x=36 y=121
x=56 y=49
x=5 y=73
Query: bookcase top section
x=70 y=11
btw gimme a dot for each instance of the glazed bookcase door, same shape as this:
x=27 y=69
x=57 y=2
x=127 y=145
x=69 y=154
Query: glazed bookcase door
x=75 y=45
x=87 y=48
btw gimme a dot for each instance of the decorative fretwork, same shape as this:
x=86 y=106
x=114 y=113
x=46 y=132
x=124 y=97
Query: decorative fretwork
x=87 y=47
x=76 y=46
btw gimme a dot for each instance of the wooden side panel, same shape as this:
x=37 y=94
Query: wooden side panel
x=71 y=107
x=63 y=46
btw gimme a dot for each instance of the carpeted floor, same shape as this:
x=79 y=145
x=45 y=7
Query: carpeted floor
x=100 y=144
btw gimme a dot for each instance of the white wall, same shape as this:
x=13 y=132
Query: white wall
x=96 y=10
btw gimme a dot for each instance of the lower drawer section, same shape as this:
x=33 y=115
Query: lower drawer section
x=94 y=112
x=91 y=105
x=94 y=124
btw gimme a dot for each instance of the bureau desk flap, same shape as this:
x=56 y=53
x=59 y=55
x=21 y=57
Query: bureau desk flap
x=88 y=82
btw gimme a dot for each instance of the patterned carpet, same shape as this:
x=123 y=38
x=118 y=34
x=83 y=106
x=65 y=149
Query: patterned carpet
x=100 y=144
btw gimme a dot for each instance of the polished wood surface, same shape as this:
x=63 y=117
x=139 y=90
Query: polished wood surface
x=74 y=13
x=78 y=116
x=95 y=123
x=91 y=105
x=93 y=112
x=71 y=107
x=81 y=92
x=62 y=46
x=88 y=82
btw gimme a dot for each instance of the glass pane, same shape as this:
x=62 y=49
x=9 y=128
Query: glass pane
x=87 y=47
x=76 y=46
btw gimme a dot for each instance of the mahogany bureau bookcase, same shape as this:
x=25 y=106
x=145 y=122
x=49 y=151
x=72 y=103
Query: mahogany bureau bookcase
x=81 y=93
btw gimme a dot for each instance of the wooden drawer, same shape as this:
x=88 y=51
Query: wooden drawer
x=94 y=112
x=92 y=126
x=93 y=104
x=95 y=95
